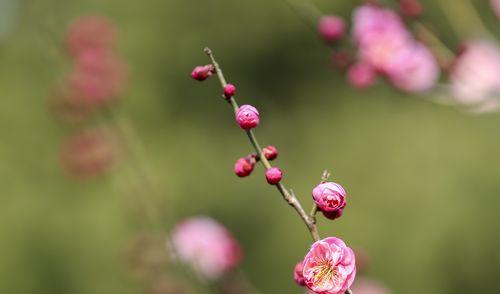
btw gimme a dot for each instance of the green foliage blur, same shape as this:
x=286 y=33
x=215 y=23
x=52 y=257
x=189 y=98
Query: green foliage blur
x=423 y=179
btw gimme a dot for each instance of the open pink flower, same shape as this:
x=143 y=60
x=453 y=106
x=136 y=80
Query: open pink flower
x=206 y=245
x=380 y=34
x=413 y=69
x=247 y=117
x=329 y=267
x=329 y=196
x=475 y=76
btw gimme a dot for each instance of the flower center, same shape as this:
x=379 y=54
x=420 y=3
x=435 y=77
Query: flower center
x=324 y=273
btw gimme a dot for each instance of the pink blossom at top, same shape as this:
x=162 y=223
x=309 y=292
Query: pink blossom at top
x=329 y=196
x=329 y=267
x=297 y=274
x=413 y=69
x=475 y=75
x=247 y=117
x=380 y=34
x=331 y=28
x=206 y=245
x=495 y=4
x=369 y=286
x=361 y=75
x=90 y=32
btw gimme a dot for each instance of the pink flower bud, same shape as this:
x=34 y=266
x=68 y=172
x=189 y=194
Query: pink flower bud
x=247 y=117
x=229 y=91
x=201 y=73
x=270 y=152
x=329 y=266
x=331 y=28
x=361 y=75
x=243 y=167
x=329 y=196
x=274 y=175
x=297 y=274
x=410 y=8
x=333 y=214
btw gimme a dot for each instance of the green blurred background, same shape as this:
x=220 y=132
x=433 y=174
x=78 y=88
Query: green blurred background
x=423 y=179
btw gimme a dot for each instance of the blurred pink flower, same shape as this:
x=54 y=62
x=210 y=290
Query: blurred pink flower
x=495 y=4
x=369 y=286
x=206 y=245
x=247 y=117
x=380 y=34
x=329 y=267
x=413 y=69
x=329 y=196
x=98 y=77
x=361 y=75
x=90 y=32
x=475 y=75
x=87 y=154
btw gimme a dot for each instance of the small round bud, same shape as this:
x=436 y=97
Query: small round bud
x=331 y=28
x=201 y=73
x=333 y=214
x=247 y=117
x=298 y=275
x=410 y=8
x=329 y=196
x=243 y=167
x=274 y=175
x=229 y=91
x=270 y=152
x=361 y=75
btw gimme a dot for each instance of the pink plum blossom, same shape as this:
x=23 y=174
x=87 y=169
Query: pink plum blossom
x=413 y=69
x=380 y=34
x=331 y=28
x=206 y=245
x=369 y=286
x=90 y=32
x=361 y=75
x=329 y=267
x=247 y=117
x=329 y=196
x=475 y=75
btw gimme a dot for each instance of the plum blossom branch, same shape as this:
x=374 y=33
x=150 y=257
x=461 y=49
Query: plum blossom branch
x=288 y=195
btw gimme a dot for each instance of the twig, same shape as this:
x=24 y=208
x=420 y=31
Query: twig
x=288 y=196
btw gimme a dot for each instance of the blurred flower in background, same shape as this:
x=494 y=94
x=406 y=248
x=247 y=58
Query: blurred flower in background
x=206 y=246
x=475 y=76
